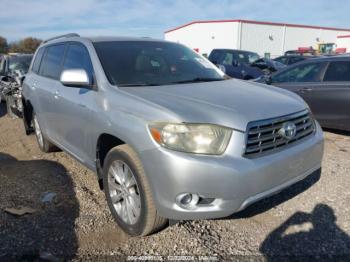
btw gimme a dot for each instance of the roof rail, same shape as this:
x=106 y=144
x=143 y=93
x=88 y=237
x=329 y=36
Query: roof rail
x=61 y=36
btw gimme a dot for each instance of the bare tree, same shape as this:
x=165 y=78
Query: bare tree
x=27 y=45
x=3 y=45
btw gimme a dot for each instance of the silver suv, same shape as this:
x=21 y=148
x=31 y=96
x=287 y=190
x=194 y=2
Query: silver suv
x=168 y=134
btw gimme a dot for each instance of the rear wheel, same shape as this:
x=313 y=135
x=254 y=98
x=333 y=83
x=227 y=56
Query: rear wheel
x=44 y=144
x=128 y=193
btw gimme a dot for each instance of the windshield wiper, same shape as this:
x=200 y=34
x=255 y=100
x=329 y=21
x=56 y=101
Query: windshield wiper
x=198 y=79
x=137 y=84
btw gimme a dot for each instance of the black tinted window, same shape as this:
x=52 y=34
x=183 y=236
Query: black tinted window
x=310 y=72
x=338 y=71
x=77 y=57
x=153 y=63
x=37 y=61
x=293 y=60
x=51 y=65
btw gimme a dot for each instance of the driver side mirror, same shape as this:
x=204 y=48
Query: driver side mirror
x=75 y=78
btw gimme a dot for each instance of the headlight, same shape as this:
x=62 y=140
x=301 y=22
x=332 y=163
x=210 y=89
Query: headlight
x=192 y=138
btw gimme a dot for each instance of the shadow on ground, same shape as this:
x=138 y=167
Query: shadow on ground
x=337 y=131
x=275 y=200
x=49 y=231
x=308 y=237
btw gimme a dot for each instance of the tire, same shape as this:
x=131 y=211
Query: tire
x=44 y=144
x=145 y=220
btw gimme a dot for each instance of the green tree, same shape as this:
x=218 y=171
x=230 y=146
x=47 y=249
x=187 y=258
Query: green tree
x=3 y=45
x=27 y=45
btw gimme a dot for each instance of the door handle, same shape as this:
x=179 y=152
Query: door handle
x=56 y=94
x=305 y=89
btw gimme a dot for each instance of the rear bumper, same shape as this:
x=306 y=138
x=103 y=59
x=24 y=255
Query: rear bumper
x=232 y=180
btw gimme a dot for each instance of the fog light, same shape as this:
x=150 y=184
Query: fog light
x=187 y=200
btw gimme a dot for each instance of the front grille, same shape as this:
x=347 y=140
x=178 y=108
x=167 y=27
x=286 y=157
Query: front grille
x=263 y=136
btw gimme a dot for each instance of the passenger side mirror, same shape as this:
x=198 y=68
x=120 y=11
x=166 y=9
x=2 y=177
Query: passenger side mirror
x=75 y=78
x=268 y=79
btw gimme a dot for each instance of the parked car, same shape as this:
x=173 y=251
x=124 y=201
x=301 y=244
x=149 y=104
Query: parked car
x=267 y=66
x=324 y=83
x=291 y=59
x=236 y=63
x=12 y=72
x=168 y=136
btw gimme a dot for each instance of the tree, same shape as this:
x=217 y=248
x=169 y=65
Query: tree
x=3 y=45
x=27 y=45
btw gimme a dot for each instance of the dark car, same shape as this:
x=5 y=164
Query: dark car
x=324 y=83
x=267 y=66
x=237 y=63
x=291 y=59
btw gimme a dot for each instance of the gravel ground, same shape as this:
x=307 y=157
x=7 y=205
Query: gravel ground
x=307 y=221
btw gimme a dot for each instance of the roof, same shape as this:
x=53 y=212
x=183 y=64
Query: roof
x=122 y=38
x=255 y=22
x=343 y=36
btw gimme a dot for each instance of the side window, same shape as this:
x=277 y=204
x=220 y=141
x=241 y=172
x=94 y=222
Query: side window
x=51 y=64
x=77 y=57
x=37 y=60
x=303 y=73
x=227 y=59
x=338 y=71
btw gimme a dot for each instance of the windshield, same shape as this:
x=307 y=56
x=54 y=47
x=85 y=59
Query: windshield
x=21 y=63
x=133 y=63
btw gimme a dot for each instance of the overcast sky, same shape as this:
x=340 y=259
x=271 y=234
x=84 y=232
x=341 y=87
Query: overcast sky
x=46 y=18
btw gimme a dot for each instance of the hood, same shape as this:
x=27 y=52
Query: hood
x=232 y=103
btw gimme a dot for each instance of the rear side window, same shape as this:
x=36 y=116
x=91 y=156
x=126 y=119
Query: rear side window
x=51 y=64
x=338 y=71
x=77 y=57
x=37 y=61
x=310 y=72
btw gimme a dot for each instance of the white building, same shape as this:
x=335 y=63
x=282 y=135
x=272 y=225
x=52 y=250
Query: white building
x=343 y=42
x=262 y=37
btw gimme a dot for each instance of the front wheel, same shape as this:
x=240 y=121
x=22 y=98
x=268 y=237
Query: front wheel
x=128 y=193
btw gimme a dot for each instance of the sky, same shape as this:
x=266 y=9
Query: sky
x=47 y=18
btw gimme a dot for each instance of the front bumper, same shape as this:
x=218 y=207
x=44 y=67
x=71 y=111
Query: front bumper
x=231 y=179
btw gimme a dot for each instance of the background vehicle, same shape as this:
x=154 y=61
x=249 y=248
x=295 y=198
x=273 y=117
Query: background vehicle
x=267 y=66
x=12 y=72
x=291 y=59
x=237 y=63
x=324 y=83
x=167 y=134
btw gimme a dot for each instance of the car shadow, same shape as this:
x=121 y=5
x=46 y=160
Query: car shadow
x=275 y=200
x=337 y=131
x=3 y=110
x=308 y=237
x=47 y=231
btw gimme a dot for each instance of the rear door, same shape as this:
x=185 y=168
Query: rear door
x=45 y=86
x=332 y=97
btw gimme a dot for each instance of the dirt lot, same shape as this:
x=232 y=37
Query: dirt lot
x=312 y=218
